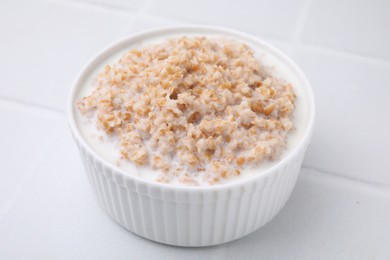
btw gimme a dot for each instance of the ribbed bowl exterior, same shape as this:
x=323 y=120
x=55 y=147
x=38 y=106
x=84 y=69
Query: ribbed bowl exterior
x=191 y=217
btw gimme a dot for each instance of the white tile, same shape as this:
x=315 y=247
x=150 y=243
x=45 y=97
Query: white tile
x=47 y=44
x=24 y=134
x=265 y=17
x=326 y=218
x=352 y=125
x=57 y=217
x=358 y=26
x=53 y=213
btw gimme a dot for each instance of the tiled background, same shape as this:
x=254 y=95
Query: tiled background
x=341 y=206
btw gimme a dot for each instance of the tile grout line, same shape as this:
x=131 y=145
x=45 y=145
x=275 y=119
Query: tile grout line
x=102 y=6
x=7 y=205
x=141 y=11
x=372 y=184
x=300 y=24
x=12 y=102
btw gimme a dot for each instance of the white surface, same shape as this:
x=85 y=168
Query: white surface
x=337 y=211
x=47 y=44
x=358 y=26
x=353 y=108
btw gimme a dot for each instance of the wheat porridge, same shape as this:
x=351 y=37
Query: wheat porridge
x=190 y=111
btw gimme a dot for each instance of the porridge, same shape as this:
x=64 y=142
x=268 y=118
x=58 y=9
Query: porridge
x=192 y=110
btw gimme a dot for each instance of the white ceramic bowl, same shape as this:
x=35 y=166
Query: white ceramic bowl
x=190 y=216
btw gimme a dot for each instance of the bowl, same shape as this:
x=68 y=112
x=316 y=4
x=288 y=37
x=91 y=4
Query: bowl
x=191 y=216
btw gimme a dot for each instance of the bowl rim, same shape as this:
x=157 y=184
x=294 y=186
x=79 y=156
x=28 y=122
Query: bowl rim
x=110 y=49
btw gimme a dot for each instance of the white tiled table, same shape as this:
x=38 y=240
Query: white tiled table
x=340 y=208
